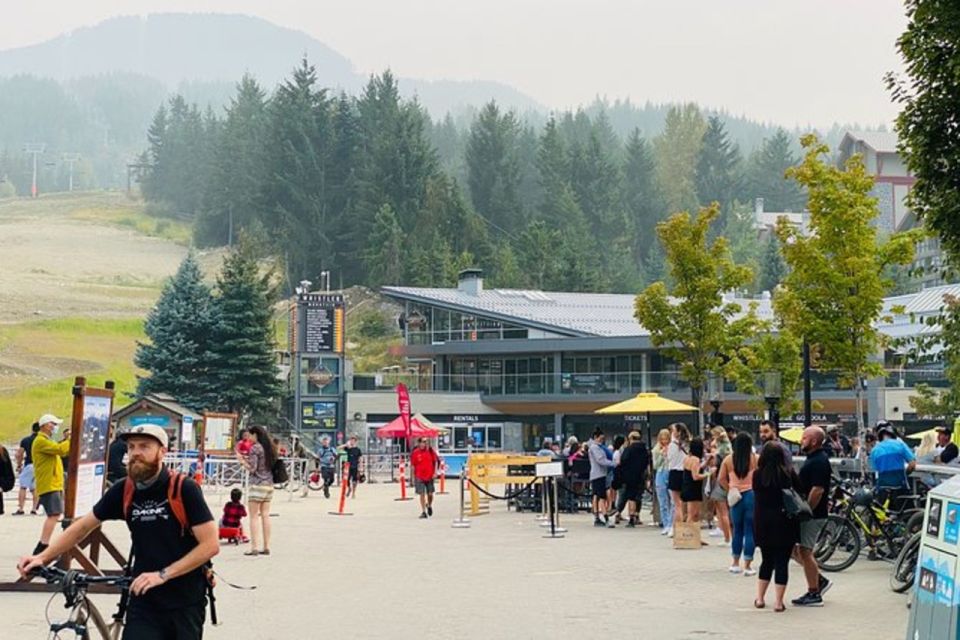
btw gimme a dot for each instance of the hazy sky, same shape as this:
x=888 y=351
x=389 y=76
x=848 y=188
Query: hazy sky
x=790 y=62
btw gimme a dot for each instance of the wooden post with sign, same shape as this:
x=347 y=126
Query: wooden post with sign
x=85 y=481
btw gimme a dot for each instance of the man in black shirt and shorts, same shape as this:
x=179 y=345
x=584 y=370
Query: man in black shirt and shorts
x=168 y=594
x=354 y=455
x=815 y=476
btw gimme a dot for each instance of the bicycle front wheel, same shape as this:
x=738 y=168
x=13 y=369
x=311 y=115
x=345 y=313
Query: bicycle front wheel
x=905 y=568
x=838 y=545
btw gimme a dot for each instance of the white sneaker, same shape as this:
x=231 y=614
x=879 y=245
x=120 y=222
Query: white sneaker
x=670 y=532
x=663 y=531
x=734 y=569
x=750 y=572
x=723 y=543
x=715 y=533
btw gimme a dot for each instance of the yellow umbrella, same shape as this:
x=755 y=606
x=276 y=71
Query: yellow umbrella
x=956 y=432
x=921 y=434
x=793 y=434
x=647 y=403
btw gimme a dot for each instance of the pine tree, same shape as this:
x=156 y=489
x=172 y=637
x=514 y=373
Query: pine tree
x=769 y=175
x=640 y=198
x=244 y=368
x=493 y=167
x=180 y=328
x=385 y=256
x=718 y=167
x=772 y=266
x=232 y=198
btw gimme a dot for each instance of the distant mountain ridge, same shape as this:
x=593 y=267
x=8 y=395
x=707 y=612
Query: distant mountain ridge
x=178 y=48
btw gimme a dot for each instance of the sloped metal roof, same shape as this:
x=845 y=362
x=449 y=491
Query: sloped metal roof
x=564 y=313
x=880 y=141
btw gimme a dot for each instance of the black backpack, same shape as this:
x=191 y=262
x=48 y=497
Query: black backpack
x=279 y=472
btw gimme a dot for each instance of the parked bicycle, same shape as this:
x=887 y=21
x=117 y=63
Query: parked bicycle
x=84 y=619
x=857 y=519
x=905 y=567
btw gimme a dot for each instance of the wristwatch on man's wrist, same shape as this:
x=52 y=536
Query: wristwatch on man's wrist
x=163 y=574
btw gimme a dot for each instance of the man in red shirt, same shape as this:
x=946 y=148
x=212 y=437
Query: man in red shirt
x=424 y=461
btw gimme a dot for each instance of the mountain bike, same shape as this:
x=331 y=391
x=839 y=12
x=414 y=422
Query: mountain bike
x=905 y=567
x=84 y=619
x=858 y=518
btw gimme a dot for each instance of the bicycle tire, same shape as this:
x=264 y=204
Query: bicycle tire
x=915 y=523
x=838 y=545
x=905 y=568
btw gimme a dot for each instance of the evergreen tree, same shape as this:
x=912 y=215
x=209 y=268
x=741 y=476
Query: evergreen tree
x=232 y=199
x=493 y=167
x=640 y=199
x=506 y=268
x=385 y=256
x=741 y=233
x=718 y=167
x=769 y=175
x=537 y=254
x=296 y=185
x=244 y=367
x=772 y=266
x=676 y=151
x=180 y=328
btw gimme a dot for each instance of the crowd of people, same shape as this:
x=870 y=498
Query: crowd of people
x=737 y=488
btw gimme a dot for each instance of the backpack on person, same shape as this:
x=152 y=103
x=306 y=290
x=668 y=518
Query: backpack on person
x=7 y=477
x=179 y=510
x=279 y=472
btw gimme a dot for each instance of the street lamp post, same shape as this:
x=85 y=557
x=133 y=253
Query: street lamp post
x=772 y=388
x=715 y=396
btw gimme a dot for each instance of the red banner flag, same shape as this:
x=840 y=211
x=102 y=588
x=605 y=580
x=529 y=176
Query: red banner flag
x=403 y=399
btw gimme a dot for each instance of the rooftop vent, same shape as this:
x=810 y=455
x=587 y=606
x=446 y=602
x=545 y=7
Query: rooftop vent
x=470 y=282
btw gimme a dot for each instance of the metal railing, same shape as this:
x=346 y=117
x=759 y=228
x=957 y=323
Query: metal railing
x=500 y=383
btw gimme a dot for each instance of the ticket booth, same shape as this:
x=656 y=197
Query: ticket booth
x=935 y=599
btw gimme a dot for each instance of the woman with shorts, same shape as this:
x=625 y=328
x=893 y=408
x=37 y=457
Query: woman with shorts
x=691 y=492
x=676 y=454
x=259 y=462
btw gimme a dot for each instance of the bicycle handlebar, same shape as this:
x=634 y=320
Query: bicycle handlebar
x=55 y=574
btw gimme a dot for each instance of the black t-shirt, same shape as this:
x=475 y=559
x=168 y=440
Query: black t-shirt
x=816 y=472
x=157 y=540
x=949 y=453
x=353 y=456
x=27 y=445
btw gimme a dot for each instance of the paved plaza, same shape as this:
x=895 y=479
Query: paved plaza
x=383 y=573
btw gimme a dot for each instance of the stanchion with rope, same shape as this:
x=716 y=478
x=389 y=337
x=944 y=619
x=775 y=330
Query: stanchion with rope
x=403 y=481
x=443 y=477
x=345 y=480
x=462 y=522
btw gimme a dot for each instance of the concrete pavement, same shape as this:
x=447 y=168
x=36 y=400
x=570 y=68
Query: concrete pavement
x=383 y=573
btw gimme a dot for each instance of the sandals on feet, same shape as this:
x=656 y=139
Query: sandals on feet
x=265 y=552
x=780 y=609
x=759 y=604
x=252 y=552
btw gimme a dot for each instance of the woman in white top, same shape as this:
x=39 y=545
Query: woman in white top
x=676 y=454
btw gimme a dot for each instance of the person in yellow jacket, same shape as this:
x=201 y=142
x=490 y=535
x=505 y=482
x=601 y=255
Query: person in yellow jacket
x=48 y=472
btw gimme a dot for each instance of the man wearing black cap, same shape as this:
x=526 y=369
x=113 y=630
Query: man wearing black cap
x=948 y=449
x=169 y=587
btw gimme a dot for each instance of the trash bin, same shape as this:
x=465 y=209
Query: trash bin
x=933 y=613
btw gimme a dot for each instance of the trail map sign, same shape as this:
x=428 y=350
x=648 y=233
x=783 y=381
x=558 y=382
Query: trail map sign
x=92 y=443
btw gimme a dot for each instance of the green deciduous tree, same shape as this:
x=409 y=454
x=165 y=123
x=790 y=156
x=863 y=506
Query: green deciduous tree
x=929 y=121
x=180 y=329
x=677 y=150
x=692 y=321
x=833 y=293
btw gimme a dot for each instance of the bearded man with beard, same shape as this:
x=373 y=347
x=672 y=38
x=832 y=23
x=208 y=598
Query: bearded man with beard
x=168 y=593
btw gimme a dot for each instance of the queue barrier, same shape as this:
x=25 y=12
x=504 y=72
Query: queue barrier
x=484 y=469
